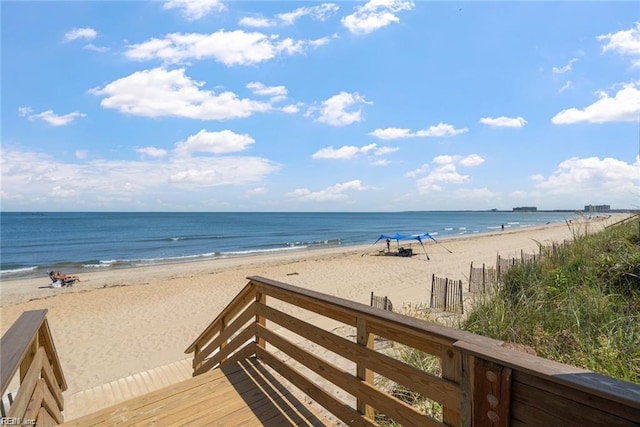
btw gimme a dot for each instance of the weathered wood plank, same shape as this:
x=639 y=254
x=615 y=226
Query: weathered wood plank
x=625 y=393
x=50 y=404
x=52 y=382
x=244 y=297
x=44 y=419
x=344 y=412
x=15 y=344
x=392 y=407
x=429 y=386
x=365 y=339
x=492 y=394
x=35 y=403
x=233 y=345
x=451 y=364
x=533 y=406
x=133 y=405
x=346 y=311
x=242 y=319
x=27 y=386
x=46 y=340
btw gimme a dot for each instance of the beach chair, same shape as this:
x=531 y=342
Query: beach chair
x=59 y=280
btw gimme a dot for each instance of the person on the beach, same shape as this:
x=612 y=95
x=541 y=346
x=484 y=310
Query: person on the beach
x=56 y=275
x=502 y=227
x=388 y=245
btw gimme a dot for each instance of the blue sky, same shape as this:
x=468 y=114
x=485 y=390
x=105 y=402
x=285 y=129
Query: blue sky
x=385 y=105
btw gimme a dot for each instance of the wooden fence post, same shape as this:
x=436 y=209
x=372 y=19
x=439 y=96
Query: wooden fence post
x=446 y=292
x=484 y=278
x=460 y=291
x=470 y=275
x=365 y=338
x=433 y=283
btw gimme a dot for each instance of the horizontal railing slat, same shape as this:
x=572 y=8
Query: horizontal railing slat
x=233 y=345
x=246 y=295
x=427 y=385
x=27 y=386
x=392 y=407
x=347 y=311
x=231 y=329
x=341 y=410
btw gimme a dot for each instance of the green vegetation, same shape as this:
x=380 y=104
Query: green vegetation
x=579 y=305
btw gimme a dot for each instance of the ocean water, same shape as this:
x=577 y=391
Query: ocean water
x=33 y=243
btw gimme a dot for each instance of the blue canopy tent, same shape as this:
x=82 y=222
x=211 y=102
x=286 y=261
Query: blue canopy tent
x=397 y=237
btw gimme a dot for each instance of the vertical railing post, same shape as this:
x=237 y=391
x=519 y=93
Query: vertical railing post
x=460 y=293
x=491 y=393
x=365 y=338
x=261 y=299
x=451 y=370
x=470 y=275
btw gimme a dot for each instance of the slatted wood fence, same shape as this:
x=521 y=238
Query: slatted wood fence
x=446 y=294
x=380 y=302
x=481 y=278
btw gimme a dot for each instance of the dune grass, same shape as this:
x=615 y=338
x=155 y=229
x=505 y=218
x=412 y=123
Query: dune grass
x=579 y=305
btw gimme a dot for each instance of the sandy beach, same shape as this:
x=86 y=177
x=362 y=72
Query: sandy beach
x=116 y=323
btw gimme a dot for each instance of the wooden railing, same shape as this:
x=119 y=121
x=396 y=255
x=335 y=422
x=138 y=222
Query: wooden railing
x=480 y=383
x=27 y=350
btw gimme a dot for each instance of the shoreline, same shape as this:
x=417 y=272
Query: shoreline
x=120 y=322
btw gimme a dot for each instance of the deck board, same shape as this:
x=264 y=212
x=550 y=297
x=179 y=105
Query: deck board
x=238 y=394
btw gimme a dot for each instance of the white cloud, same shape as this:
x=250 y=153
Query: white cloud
x=329 y=194
x=472 y=160
x=80 y=33
x=170 y=93
x=623 y=107
x=566 y=67
x=101 y=184
x=319 y=13
x=152 y=152
x=257 y=22
x=195 y=9
x=626 y=42
x=82 y=154
x=349 y=151
x=439 y=130
x=221 y=142
x=292 y=108
x=277 y=93
x=375 y=14
x=258 y=191
x=504 y=122
x=50 y=117
x=592 y=178
x=228 y=47
x=443 y=172
x=94 y=48
x=568 y=85
x=341 y=109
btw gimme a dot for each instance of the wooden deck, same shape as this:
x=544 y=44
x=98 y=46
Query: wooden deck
x=237 y=394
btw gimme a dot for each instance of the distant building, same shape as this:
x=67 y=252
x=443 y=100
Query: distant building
x=526 y=209
x=597 y=208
